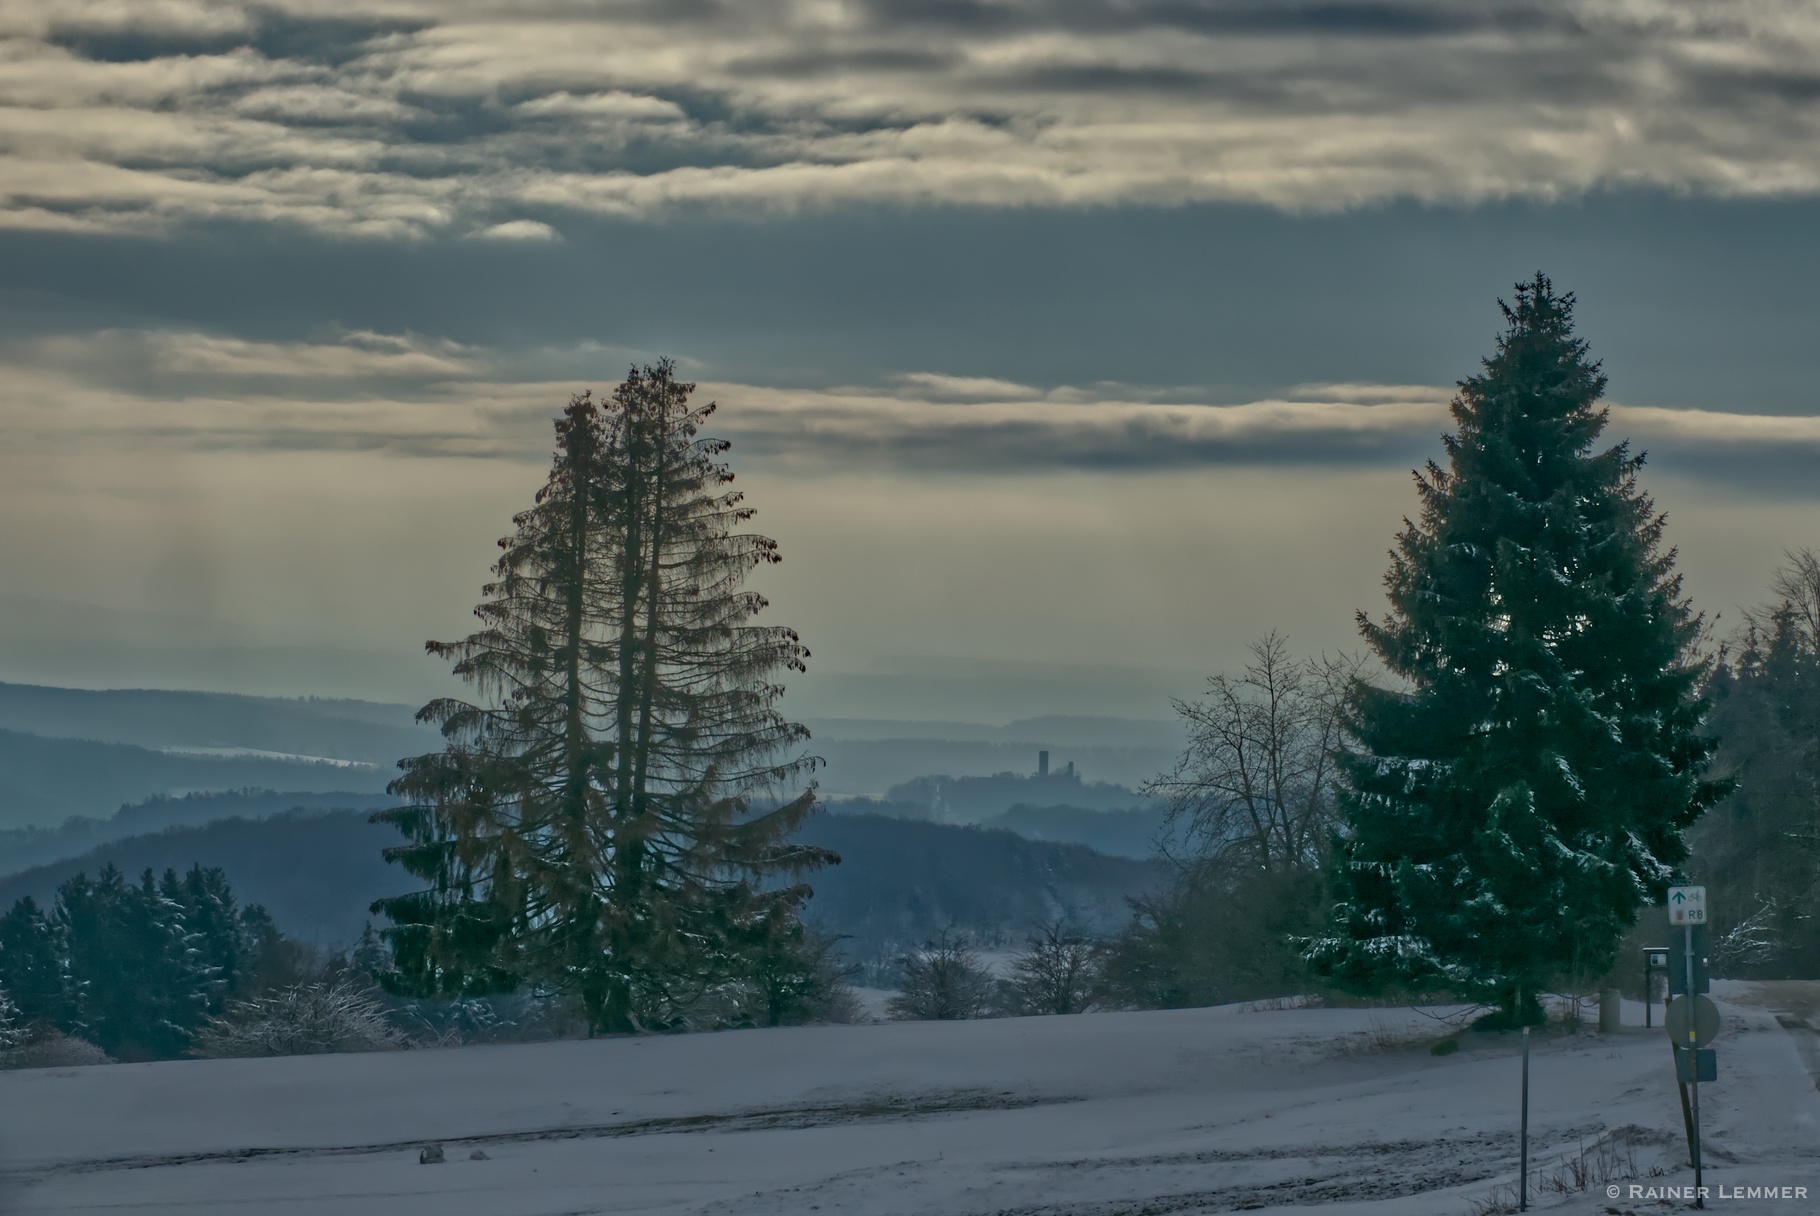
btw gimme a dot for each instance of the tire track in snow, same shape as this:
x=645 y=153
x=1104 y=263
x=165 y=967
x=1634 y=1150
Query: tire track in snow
x=882 y=1109
x=1364 y=1172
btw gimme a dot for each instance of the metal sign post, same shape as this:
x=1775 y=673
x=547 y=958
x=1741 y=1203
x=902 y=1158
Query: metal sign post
x=1693 y=1045
x=1523 y=1135
x=1687 y=908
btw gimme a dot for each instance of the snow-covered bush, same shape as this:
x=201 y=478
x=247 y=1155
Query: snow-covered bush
x=305 y=1019
x=27 y=1045
x=12 y=1029
x=53 y=1049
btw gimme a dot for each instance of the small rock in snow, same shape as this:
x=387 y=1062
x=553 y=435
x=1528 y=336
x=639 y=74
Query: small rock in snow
x=431 y=1154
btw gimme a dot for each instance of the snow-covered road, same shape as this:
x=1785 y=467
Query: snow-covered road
x=1204 y=1110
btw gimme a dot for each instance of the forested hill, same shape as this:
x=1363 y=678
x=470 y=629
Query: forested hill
x=44 y=781
x=364 y=731
x=900 y=882
x=24 y=848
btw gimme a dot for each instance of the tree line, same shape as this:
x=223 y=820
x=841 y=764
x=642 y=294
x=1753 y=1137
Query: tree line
x=136 y=968
x=1481 y=807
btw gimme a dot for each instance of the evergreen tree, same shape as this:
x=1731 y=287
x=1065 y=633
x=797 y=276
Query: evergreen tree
x=204 y=902
x=31 y=965
x=594 y=824
x=1762 y=846
x=1525 y=792
x=139 y=984
x=268 y=959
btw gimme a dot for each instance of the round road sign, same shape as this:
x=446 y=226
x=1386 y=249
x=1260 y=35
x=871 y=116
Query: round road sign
x=1705 y=1017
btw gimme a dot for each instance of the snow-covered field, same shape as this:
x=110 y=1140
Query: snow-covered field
x=1207 y=1110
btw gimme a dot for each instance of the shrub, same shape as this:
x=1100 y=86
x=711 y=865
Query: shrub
x=1058 y=972
x=305 y=1019
x=943 y=982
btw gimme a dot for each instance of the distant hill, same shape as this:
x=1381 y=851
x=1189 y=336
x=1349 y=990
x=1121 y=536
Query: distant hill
x=1118 y=833
x=23 y=848
x=977 y=799
x=364 y=731
x=865 y=756
x=1051 y=731
x=870 y=755
x=1131 y=832
x=900 y=881
x=872 y=766
x=44 y=781
x=315 y=871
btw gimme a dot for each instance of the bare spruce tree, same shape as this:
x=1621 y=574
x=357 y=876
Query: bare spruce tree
x=610 y=817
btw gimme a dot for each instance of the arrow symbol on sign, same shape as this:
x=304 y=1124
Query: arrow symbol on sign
x=1679 y=897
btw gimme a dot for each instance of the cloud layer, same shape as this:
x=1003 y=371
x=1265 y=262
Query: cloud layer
x=409 y=396
x=407 y=118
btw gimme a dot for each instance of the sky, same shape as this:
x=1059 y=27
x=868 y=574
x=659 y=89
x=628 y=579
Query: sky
x=1065 y=347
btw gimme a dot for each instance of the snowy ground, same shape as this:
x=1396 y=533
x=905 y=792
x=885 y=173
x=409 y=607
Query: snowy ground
x=1209 y=1110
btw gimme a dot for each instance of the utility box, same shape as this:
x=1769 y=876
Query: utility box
x=1610 y=1002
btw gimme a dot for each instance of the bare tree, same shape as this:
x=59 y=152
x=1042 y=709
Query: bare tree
x=943 y=982
x=1255 y=786
x=1057 y=972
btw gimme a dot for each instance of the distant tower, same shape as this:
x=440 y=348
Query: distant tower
x=1071 y=768
x=1042 y=764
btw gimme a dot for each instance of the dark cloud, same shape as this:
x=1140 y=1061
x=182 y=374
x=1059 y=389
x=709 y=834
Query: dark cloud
x=1241 y=301
x=1725 y=86
x=426 y=121
x=1031 y=446
x=331 y=41
x=273 y=32
x=1361 y=18
x=807 y=62
x=1113 y=78
x=137 y=44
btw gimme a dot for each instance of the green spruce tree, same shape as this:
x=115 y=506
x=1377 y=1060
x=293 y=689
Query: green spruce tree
x=609 y=818
x=1525 y=790
x=205 y=902
x=32 y=967
x=138 y=984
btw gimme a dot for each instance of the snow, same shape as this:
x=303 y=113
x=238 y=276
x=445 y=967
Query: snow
x=1206 y=1110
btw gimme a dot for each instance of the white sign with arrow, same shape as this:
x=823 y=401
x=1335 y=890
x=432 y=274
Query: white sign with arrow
x=1687 y=905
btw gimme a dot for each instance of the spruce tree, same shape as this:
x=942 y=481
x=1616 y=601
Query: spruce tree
x=205 y=902
x=607 y=818
x=32 y=966
x=138 y=984
x=1525 y=790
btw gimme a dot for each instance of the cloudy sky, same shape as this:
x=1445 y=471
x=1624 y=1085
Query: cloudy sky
x=1065 y=345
